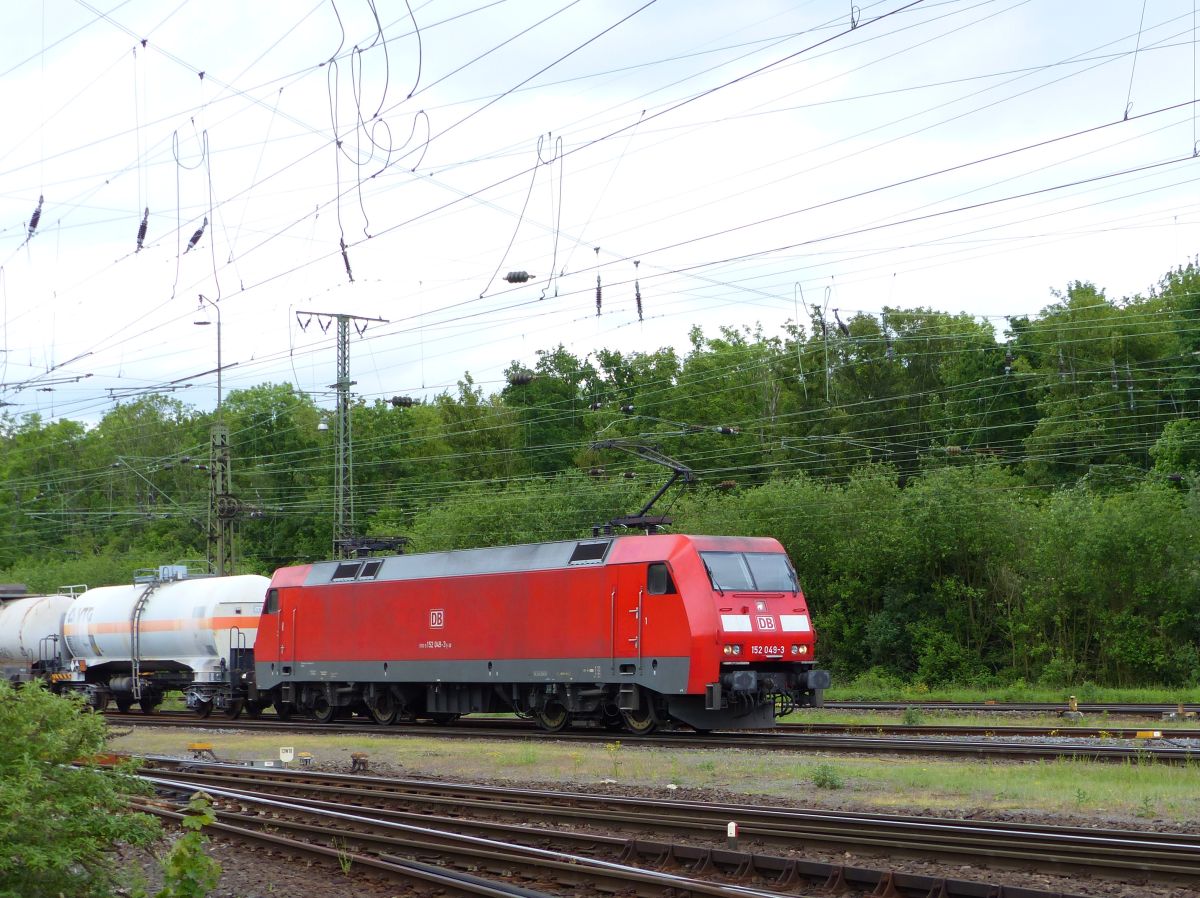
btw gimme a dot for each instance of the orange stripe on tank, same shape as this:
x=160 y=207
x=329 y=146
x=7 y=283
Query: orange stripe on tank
x=243 y=621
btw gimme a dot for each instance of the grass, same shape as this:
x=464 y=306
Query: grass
x=947 y=787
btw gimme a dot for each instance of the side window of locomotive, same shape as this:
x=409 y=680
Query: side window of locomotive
x=272 y=604
x=658 y=580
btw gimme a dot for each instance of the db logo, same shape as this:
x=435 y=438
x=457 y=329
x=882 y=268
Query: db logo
x=437 y=619
x=766 y=622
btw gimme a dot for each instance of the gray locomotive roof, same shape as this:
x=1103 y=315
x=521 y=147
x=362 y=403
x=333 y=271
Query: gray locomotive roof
x=465 y=562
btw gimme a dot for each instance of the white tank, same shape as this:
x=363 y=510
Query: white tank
x=25 y=622
x=192 y=621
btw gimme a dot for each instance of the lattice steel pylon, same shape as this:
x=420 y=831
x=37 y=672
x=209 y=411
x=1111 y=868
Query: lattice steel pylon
x=343 y=474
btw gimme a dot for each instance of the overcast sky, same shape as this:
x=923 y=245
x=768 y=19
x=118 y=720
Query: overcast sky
x=732 y=158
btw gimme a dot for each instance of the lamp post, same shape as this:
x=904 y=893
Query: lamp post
x=222 y=506
x=204 y=323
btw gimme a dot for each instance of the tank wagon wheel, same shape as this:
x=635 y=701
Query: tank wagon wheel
x=641 y=722
x=150 y=705
x=553 y=718
x=323 y=710
x=283 y=710
x=124 y=704
x=444 y=718
x=203 y=709
x=384 y=709
x=254 y=709
x=234 y=709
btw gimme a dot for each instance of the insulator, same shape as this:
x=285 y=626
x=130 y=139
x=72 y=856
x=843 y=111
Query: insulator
x=727 y=485
x=521 y=378
x=402 y=402
x=891 y=350
x=597 y=296
x=196 y=237
x=954 y=450
x=596 y=472
x=346 y=261
x=518 y=277
x=628 y=475
x=637 y=290
x=627 y=409
x=141 y=238
x=727 y=431
x=37 y=216
x=596 y=406
x=185 y=459
x=842 y=327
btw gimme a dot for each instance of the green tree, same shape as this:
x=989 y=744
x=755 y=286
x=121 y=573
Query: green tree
x=59 y=823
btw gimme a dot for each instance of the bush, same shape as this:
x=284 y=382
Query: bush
x=59 y=823
x=826 y=777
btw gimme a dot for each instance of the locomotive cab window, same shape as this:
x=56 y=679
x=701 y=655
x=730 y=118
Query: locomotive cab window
x=750 y=571
x=271 y=606
x=658 y=580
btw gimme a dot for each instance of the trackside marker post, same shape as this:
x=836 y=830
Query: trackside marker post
x=731 y=835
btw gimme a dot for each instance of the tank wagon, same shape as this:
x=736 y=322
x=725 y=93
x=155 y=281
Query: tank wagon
x=30 y=631
x=620 y=631
x=132 y=643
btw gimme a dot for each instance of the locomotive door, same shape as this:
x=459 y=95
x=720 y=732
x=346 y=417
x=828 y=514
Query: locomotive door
x=628 y=601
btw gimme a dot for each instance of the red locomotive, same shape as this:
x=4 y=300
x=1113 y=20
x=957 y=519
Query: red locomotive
x=623 y=631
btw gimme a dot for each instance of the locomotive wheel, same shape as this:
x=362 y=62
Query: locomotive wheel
x=642 y=721
x=283 y=710
x=553 y=718
x=124 y=704
x=234 y=709
x=323 y=711
x=384 y=709
x=204 y=709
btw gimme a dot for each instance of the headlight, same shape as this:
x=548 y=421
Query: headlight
x=799 y=650
x=733 y=650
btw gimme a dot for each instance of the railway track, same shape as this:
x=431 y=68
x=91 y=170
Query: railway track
x=987 y=742
x=1111 y=708
x=605 y=837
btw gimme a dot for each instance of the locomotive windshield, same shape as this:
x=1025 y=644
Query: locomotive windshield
x=750 y=571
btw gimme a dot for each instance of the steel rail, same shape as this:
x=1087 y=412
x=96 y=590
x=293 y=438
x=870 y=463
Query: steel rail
x=761 y=740
x=429 y=875
x=1132 y=709
x=783 y=875
x=473 y=852
x=1175 y=855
